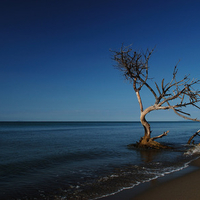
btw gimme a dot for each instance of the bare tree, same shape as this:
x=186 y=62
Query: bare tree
x=174 y=95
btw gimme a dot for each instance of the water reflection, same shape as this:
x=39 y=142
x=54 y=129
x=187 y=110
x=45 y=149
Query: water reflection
x=149 y=155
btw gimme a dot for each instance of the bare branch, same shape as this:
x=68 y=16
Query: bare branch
x=177 y=110
x=160 y=136
x=172 y=97
x=150 y=88
x=134 y=65
x=195 y=106
x=158 y=89
x=197 y=133
x=188 y=118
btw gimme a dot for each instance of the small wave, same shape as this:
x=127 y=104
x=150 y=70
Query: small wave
x=120 y=179
x=193 y=150
x=166 y=171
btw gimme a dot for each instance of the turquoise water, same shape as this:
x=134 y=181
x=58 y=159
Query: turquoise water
x=44 y=160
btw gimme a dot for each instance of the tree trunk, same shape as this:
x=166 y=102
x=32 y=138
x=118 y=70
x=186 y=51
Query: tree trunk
x=147 y=141
x=147 y=130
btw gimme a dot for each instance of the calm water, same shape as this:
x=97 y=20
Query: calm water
x=77 y=160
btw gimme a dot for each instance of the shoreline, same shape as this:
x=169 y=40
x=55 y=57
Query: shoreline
x=183 y=184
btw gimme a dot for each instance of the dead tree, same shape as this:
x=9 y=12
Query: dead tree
x=135 y=67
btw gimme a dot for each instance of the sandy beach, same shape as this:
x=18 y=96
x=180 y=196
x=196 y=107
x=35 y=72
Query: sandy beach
x=176 y=186
x=184 y=187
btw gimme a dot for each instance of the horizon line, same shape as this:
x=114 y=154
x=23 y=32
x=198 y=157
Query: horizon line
x=123 y=121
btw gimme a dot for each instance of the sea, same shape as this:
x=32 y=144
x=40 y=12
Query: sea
x=86 y=160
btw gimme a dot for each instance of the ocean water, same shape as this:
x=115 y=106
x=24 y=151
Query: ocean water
x=85 y=160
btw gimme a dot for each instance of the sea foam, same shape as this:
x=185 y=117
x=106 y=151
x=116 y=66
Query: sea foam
x=194 y=150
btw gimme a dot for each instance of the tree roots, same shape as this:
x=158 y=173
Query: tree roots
x=150 y=144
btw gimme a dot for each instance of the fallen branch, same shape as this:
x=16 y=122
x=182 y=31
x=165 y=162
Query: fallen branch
x=159 y=136
x=197 y=133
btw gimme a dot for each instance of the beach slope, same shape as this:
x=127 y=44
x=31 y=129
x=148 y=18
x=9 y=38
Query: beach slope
x=185 y=187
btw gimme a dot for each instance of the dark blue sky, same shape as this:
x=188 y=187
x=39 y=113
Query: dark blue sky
x=55 y=61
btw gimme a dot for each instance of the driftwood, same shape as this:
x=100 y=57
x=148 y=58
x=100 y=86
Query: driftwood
x=194 y=135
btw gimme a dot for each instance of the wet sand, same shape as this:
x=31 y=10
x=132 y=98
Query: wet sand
x=184 y=185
